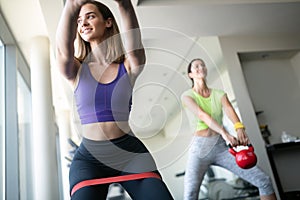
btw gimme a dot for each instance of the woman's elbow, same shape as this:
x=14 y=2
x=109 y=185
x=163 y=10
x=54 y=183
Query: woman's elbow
x=204 y=117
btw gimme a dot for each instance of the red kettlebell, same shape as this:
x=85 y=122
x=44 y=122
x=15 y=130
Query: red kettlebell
x=245 y=158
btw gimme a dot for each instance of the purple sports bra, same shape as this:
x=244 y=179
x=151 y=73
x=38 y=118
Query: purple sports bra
x=98 y=102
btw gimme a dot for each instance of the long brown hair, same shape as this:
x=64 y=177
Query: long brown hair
x=112 y=43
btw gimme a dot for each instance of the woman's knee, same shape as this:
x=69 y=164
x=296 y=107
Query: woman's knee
x=265 y=186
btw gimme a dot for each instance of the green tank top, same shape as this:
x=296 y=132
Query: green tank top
x=212 y=105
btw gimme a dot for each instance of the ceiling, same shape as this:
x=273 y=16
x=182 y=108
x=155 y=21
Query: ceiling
x=192 y=18
x=174 y=32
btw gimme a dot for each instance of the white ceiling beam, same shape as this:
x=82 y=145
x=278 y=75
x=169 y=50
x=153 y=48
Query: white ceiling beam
x=199 y=2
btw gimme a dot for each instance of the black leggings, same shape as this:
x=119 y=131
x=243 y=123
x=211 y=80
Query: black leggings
x=121 y=156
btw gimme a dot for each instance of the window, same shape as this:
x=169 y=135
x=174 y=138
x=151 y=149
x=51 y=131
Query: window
x=24 y=137
x=15 y=119
x=15 y=125
x=2 y=136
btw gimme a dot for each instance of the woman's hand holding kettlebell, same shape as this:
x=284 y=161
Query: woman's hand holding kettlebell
x=242 y=137
x=230 y=139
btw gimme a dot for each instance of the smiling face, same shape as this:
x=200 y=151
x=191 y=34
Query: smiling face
x=198 y=69
x=91 y=25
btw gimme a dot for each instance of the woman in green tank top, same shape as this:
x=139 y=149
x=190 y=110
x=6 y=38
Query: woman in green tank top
x=208 y=146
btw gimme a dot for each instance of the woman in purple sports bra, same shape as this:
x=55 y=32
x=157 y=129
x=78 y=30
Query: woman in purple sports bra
x=103 y=72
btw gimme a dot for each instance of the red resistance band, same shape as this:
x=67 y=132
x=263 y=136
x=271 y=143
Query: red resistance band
x=114 y=179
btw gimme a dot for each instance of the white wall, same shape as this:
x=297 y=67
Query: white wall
x=274 y=89
x=231 y=46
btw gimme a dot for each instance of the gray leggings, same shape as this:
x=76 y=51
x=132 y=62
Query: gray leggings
x=206 y=151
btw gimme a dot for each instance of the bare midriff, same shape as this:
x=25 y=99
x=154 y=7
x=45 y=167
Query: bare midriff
x=206 y=133
x=105 y=130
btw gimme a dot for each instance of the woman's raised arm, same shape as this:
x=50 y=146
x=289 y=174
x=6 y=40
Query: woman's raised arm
x=65 y=36
x=132 y=37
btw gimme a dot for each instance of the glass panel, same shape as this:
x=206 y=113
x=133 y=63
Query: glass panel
x=24 y=124
x=2 y=143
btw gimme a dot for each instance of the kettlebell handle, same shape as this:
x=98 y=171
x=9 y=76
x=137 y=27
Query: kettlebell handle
x=233 y=152
x=248 y=145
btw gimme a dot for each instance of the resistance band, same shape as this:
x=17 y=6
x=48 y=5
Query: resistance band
x=114 y=179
